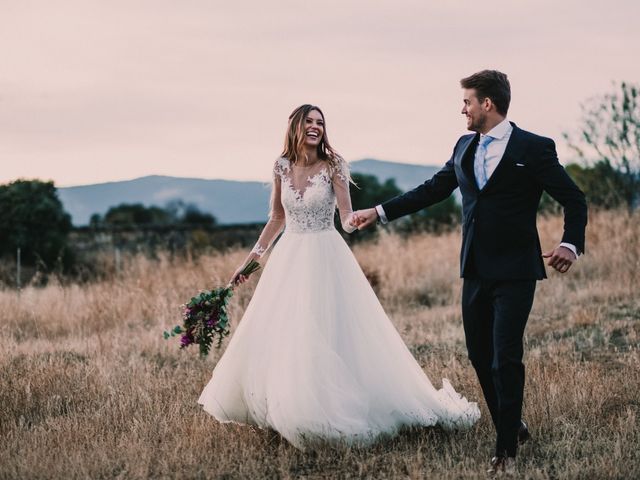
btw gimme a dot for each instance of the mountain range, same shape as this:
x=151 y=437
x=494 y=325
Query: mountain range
x=231 y=202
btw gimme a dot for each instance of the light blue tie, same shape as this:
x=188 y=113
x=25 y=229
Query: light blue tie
x=479 y=167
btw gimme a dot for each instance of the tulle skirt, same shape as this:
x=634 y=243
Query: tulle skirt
x=316 y=358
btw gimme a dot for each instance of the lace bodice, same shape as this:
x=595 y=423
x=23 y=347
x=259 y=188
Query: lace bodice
x=305 y=200
x=310 y=209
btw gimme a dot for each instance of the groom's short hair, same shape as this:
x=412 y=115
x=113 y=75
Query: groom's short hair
x=491 y=84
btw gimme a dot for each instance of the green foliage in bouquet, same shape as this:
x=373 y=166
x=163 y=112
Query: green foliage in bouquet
x=205 y=317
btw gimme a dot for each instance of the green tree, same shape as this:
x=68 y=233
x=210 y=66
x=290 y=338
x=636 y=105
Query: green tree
x=609 y=141
x=136 y=215
x=193 y=216
x=368 y=191
x=603 y=185
x=33 y=219
x=95 y=221
x=438 y=217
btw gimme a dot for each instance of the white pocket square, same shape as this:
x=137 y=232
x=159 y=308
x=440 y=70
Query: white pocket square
x=519 y=164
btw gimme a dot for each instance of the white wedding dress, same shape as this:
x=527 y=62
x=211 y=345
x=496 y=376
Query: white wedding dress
x=315 y=357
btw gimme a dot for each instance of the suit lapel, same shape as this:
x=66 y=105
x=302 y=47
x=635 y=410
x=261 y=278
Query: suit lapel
x=465 y=156
x=513 y=151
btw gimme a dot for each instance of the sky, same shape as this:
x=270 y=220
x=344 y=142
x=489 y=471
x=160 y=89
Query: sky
x=94 y=91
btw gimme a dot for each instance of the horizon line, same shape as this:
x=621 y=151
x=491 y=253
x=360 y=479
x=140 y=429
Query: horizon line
x=131 y=179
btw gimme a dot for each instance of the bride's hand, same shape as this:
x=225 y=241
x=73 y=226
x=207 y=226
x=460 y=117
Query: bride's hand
x=365 y=218
x=353 y=220
x=237 y=278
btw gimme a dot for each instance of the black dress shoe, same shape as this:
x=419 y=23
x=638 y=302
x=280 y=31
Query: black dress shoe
x=502 y=466
x=523 y=433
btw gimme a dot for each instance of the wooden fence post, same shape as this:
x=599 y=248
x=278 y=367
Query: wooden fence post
x=117 y=254
x=18 y=270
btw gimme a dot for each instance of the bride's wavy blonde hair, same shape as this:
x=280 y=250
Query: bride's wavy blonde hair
x=294 y=140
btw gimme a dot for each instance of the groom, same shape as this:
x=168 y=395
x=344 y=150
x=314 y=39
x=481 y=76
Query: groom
x=501 y=171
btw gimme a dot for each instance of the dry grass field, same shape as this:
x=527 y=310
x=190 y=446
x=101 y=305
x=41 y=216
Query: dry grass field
x=89 y=388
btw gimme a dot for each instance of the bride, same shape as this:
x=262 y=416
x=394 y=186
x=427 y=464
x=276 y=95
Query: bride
x=315 y=357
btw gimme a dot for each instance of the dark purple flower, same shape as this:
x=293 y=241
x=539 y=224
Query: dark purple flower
x=212 y=321
x=186 y=340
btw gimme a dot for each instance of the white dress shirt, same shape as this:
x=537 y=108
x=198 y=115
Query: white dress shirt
x=495 y=150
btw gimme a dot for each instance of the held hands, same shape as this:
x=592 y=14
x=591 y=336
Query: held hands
x=362 y=219
x=560 y=258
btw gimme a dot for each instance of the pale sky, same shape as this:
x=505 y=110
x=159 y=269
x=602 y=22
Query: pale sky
x=94 y=91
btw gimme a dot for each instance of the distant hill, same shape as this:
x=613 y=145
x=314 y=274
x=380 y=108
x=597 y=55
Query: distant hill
x=406 y=175
x=230 y=201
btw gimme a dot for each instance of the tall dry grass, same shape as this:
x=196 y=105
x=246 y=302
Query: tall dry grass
x=89 y=389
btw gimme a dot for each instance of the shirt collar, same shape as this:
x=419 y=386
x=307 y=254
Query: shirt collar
x=500 y=130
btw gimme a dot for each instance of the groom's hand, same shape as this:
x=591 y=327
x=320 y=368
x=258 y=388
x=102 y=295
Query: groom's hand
x=365 y=218
x=561 y=258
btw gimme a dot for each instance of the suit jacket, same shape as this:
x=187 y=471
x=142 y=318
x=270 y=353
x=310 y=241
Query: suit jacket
x=499 y=236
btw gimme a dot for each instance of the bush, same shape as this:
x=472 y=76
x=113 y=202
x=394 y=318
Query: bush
x=33 y=219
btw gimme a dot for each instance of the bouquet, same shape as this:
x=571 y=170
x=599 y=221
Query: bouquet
x=205 y=316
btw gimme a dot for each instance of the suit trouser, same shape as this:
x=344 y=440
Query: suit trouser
x=494 y=314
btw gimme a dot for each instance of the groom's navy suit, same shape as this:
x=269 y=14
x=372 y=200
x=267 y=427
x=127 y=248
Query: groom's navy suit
x=501 y=257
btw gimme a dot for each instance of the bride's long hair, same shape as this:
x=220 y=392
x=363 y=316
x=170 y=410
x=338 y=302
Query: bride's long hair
x=294 y=140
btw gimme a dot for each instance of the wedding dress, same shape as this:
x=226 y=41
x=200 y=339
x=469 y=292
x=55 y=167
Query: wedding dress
x=315 y=357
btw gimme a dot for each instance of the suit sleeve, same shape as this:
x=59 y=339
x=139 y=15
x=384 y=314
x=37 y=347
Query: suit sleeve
x=434 y=190
x=556 y=182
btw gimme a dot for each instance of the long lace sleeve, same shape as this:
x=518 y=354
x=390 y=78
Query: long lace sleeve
x=276 y=219
x=340 y=181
